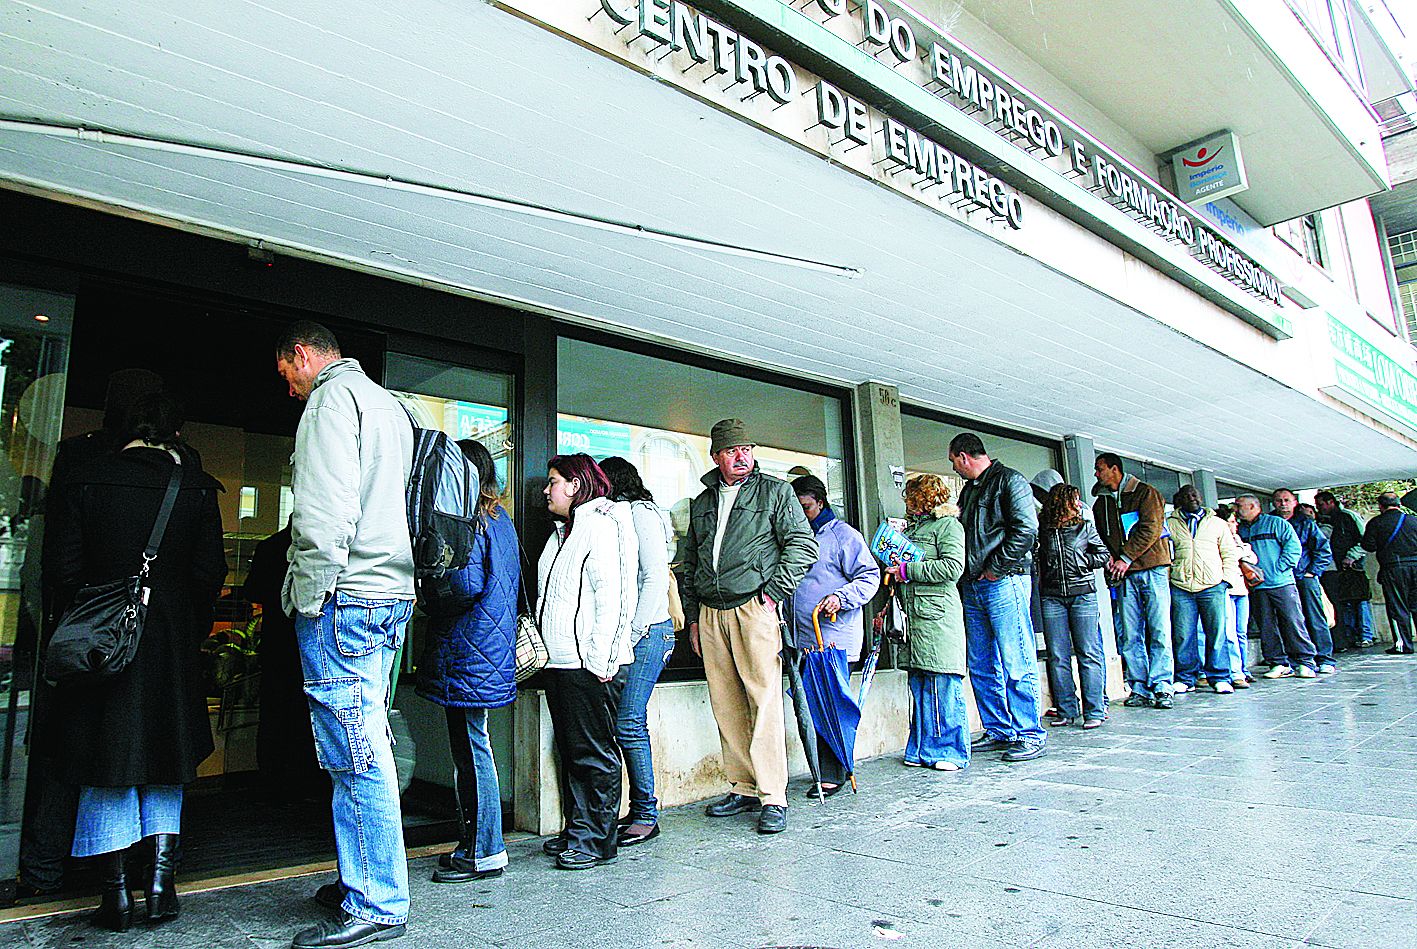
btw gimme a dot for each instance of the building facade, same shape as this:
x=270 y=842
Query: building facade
x=601 y=225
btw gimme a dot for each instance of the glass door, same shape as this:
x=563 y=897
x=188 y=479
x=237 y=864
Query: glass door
x=34 y=355
x=463 y=402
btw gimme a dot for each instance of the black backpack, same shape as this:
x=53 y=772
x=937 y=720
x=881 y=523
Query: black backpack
x=443 y=490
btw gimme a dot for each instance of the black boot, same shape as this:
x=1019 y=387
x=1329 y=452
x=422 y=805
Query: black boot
x=162 y=894
x=115 y=909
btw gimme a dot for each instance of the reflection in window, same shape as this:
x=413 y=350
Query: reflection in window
x=927 y=444
x=657 y=414
x=461 y=402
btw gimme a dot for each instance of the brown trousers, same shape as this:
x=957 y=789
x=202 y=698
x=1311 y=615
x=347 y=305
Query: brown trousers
x=744 y=670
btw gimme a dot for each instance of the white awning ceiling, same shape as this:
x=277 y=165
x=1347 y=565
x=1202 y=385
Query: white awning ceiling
x=956 y=319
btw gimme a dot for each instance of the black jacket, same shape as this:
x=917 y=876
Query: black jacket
x=1000 y=523
x=1391 y=543
x=1067 y=556
x=149 y=723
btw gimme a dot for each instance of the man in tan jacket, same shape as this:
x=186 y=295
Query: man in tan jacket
x=1205 y=554
x=1132 y=524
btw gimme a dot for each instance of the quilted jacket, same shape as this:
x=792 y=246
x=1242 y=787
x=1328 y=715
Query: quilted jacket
x=470 y=659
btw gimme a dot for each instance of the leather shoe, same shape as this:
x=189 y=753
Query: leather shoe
x=463 y=871
x=1022 y=752
x=331 y=895
x=628 y=838
x=773 y=819
x=811 y=794
x=344 y=932
x=731 y=804
x=987 y=742
x=579 y=860
x=555 y=846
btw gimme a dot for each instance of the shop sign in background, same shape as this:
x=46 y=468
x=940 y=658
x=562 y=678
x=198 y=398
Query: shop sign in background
x=1367 y=373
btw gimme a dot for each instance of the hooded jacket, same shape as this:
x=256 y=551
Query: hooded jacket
x=349 y=527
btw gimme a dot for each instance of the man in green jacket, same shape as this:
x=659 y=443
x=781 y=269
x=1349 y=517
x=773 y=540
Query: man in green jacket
x=749 y=545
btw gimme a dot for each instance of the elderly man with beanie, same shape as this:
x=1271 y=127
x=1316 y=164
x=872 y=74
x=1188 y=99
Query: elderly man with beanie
x=749 y=546
x=841 y=582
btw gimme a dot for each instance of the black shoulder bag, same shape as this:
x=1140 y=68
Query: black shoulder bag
x=99 y=632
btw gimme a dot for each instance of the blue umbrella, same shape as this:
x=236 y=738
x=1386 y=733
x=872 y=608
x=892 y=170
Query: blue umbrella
x=826 y=679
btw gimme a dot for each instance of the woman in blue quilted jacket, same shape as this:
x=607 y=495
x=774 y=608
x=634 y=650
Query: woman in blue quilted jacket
x=468 y=667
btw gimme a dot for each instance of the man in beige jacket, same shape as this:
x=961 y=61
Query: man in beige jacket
x=1204 y=554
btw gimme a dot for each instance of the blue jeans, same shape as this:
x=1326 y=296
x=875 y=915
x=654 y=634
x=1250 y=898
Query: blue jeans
x=939 y=722
x=1206 y=609
x=347 y=653
x=1355 y=617
x=1145 y=627
x=111 y=819
x=1070 y=627
x=1237 y=634
x=1311 y=596
x=632 y=726
x=478 y=795
x=1003 y=656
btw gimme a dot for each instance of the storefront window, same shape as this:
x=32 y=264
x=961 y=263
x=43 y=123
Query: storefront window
x=658 y=413
x=927 y=444
x=34 y=351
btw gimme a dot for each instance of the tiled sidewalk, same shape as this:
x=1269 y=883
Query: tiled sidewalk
x=1284 y=816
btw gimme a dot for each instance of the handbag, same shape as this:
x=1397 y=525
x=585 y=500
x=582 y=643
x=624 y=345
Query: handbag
x=531 y=652
x=1253 y=575
x=676 y=604
x=895 y=625
x=98 y=634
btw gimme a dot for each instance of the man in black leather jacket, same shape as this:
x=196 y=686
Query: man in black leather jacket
x=1000 y=526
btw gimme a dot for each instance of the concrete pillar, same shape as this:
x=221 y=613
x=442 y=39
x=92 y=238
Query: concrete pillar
x=1205 y=483
x=880 y=453
x=1079 y=453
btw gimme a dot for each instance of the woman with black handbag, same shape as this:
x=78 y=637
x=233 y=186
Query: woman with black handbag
x=130 y=740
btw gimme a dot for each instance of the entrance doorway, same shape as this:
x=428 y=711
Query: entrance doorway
x=217 y=357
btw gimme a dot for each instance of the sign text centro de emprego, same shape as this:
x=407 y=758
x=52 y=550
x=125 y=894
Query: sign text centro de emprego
x=932 y=171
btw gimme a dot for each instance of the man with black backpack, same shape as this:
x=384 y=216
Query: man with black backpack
x=351 y=590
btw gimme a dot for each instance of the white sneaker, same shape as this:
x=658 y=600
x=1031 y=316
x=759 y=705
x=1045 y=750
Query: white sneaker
x=945 y=766
x=1180 y=688
x=1304 y=672
x=1224 y=688
x=1279 y=672
x=912 y=764
x=1328 y=669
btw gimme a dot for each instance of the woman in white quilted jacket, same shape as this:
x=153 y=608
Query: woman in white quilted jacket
x=588 y=574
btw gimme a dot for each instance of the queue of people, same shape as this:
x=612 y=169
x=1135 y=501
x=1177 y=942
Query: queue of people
x=1187 y=590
